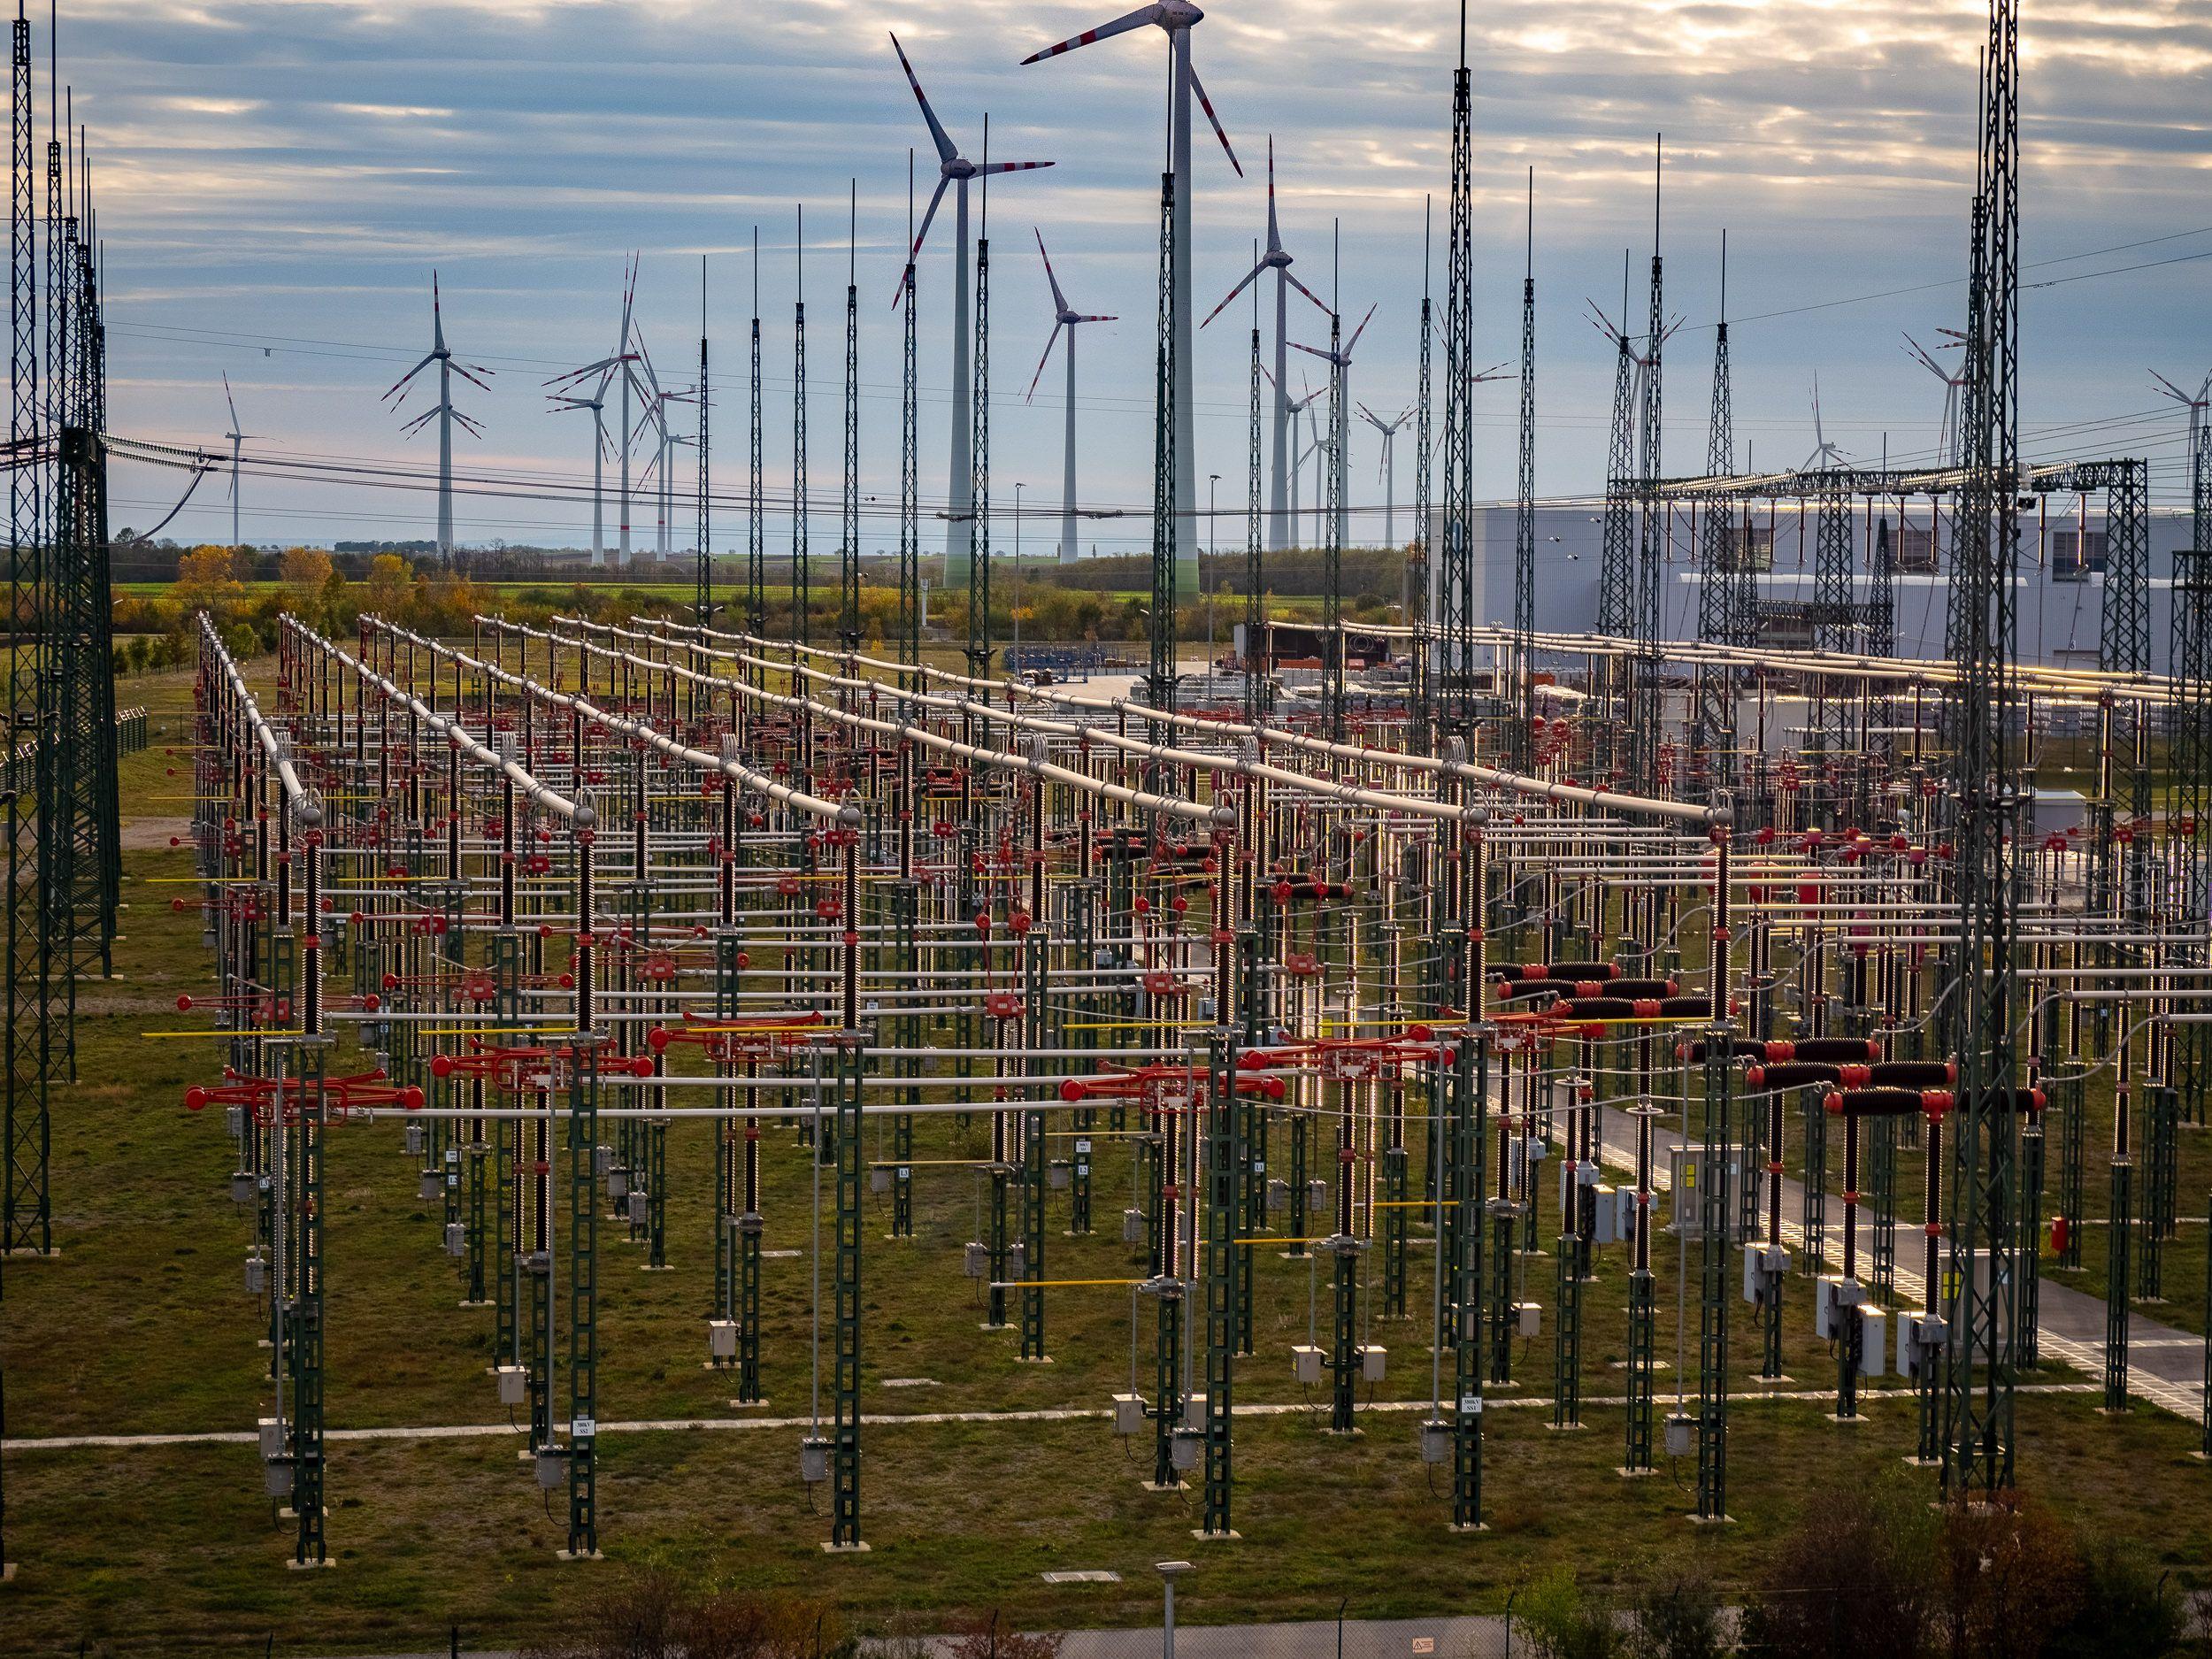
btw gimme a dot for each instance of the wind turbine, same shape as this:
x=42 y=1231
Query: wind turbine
x=1278 y=260
x=1340 y=362
x=1176 y=18
x=1064 y=315
x=954 y=170
x=597 y=404
x=1824 y=452
x=1296 y=407
x=443 y=412
x=1387 y=476
x=2200 y=450
x=655 y=410
x=1947 y=440
x=617 y=364
x=236 y=438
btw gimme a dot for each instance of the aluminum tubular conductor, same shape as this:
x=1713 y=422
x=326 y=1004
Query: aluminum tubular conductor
x=1457 y=595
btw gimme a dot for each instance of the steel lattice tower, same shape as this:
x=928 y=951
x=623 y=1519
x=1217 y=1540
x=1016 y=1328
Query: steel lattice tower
x=27 y=1222
x=1255 y=544
x=1421 y=579
x=1881 y=642
x=1978 y=1362
x=802 y=582
x=1617 y=567
x=1456 y=594
x=82 y=653
x=2189 y=751
x=1714 y=732
x=2124 y=645
x=1652 y=531
x=706 y=602
x=1160 y=681
x=979 y=463
x=1523 y=701
x=1881 y=595
x=1333 y=651
x=755 y=504
x=1835 y=611
x=848 y=546
x=910 y=517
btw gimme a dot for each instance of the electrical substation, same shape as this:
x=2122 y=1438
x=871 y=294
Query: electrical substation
x=1666 y=1015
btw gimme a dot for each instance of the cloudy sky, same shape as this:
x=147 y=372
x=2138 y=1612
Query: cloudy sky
x=276 y=183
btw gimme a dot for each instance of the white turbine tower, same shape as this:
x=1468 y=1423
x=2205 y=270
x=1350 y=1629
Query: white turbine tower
x=2197 y=403
x=443 y=412
x=1064 y=315
x=1340 y=362
x=236 y=438
x=1295 y=407
x=1947 y=440
x=660 y=469
x=621 y=364
x=1275 y=259
x=1388 y=476
x=1176 y=18
x=954 y=170
x=595 y=402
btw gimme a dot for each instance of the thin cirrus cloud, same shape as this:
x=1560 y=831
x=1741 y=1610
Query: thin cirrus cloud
x=325 y=156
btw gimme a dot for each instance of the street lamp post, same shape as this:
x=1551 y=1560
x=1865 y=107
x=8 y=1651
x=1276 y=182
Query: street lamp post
x=1169 y=1572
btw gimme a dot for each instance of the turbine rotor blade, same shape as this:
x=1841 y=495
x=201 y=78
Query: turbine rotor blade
x=1207 y=104
x=1357 y=332
x=1059 y=301
x=946 y=149
x=1243 y=283
x=1135 y=20
x=1051 y=340
x=920 y=236
x=1013 y=166
x=1304 y=289
x=401 y=382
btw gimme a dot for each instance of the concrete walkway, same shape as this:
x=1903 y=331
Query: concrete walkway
x=1477 y=1638
x=2165 y=1365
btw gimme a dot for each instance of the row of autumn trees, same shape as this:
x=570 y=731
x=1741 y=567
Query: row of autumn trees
x=153 y=631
